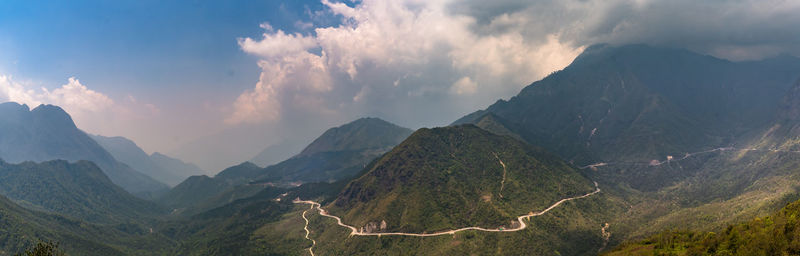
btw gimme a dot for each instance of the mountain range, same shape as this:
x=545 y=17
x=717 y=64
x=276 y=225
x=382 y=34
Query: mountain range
x=48 y=133
x=637 y=102
x=276 y=153
x=626 y=143
x=337 y=154
x=158 y=166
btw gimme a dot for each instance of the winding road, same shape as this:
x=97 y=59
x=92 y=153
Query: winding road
x=308 y=232
x=354 y=231
x=521 y=219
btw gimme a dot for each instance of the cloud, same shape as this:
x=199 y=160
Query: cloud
x=76 y=97
x=73 y=95
x=15 y=91
x=426 y=63
x=92 y=111
x=411 y=61
x=736 y=30
x=276 y=44
x=465 y=85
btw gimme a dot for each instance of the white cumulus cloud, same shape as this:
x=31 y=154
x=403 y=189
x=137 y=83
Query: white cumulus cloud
x=72 y=96
x=92 y=111
x=424 y=63
x=415 y=62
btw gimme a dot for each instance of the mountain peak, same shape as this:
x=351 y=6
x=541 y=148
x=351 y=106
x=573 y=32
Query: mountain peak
x=13 y=106
x=47 y=132
x=54 y=115
x=50 y=114
x=364 y=133
x=246 y=169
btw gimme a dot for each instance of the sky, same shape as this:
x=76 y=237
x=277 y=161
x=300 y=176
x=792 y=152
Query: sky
x=215 y=82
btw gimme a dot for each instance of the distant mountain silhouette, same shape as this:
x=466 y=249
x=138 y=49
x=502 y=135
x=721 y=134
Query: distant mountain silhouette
x=337 y=154
x=158 y=166
x=276 y=153
x=48 y=133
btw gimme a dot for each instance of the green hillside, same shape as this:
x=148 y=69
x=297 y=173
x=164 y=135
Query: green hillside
x=453 y=177
x=338 y=153
x=21 y=228
x=776 y=234
x=193 y=190
x=257 y=225
x=80 y=190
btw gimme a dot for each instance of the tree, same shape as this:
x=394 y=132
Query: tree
x=43 y=249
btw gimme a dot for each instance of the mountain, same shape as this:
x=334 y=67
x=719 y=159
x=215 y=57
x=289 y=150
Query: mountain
x=682 y=140
x=453 y=177
x=196 y=189
x=127 y=152
x=47 y=133
x=277 y=152
x=362 y=134
x=176 y=166
x=80 y=190
x=784 y=133
x=158 y=166
x=239 y=174
x=637 y=102
x=497 y=125
x=456 y=177
x=337 y=154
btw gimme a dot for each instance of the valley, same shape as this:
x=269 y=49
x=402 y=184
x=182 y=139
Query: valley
x=521 y=177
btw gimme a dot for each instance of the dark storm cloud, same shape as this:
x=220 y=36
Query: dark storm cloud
x=730 y=29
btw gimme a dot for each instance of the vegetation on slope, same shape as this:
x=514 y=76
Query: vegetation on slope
x=338 y=154
x=80 y=190
x=21 y=228
x=361 y=134
x=446 y=178
x=250 y=226
x=573 y=228
x=777 y=234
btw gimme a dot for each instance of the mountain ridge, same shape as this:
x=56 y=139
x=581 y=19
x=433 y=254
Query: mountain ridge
x=47 y=132
x=628 y=102
x=471 y=175
x=159 y=166
x=337 y=154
